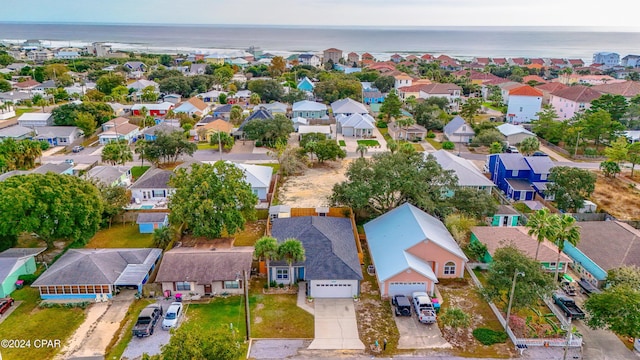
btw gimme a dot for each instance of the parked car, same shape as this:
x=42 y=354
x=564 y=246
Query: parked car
x=5 y=304
x=78 y=148
x=402 y=305
x=172 y=316
x=587 y=288
x=424 y=307
x=147 y=320
x=568 y=306
x=568 y=287
x=539 y=153
x=513 y=150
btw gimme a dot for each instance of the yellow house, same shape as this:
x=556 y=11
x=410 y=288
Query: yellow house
x=214 y=59
x=217 y=126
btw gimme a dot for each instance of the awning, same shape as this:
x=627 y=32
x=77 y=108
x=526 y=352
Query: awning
x=567 y=277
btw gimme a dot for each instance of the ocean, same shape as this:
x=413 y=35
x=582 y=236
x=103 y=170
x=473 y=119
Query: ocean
x=461 y=42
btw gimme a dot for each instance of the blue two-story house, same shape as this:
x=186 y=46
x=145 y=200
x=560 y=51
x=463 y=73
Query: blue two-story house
x=520 y=177
x=373 y=96
x=306 y=85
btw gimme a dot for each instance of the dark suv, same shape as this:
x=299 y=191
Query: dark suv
x=402 y=305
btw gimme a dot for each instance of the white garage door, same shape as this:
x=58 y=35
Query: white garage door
x=333 y=288
x=406 y=288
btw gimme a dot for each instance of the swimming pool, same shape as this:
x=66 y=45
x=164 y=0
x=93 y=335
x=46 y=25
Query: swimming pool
x=146 y=207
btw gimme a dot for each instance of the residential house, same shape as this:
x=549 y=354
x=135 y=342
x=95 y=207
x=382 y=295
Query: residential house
x=367 y=57
x=258 y=113
x=259 y=177
x=215 y=59
x=631 y=61
x=222 y=111
x=628 y=89
x=459 y=131
x=58 y=135
x=548 y=88
x=298 y=121
x=427 y=58
x=572 y=100
x=35 y=119
x=204 y=272
x=151 y=133
x=305 y=85
x=40 y=55
x=482 y=60
x=535 y=79
x=507 y=86
x=62 y=168
x=402 y=80
x=302 y=129
x=406 y=92
x=7 y=111
x=91 y=273
x=16 y=132
x=332 y=54
x=309 y=59
x=348 y=107
x=518 y=61
x=152 y=186
x=241 y=96
x=215 y=127
x=142 y=84
x=411 y=250
x=355 y=125
x=505 y=216
x=15 y=97
x=332 y=267
x=524 y=104
x=557 y=63
x=575 y=63
x=113 y=123
x=125 y=131
x=372 y=96
x=520 y=177
x=275 y=107
x=119 y=109
x=149 y=222
x=451 y=92
x=632 y=135
x=211 y=96
x=468 y=175
x=175 y=99
x=110 y=175
x=495 y=238
x=604 y=245
x=193 y=106
x=197 y=69
x=309 y=110
x=47 y=85
x=411 y=133
x=396 y=58
x=499 y=61
x=609 y=59
x=14 y=263
x=353 y=58
x=135 y=66
x=514 y=134
x=160 y=109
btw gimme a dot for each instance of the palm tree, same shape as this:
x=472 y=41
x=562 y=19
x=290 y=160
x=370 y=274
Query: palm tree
x=42 y=102
x=141 y=147
x=564 y=230
x=291 y=250
x=362 y=149
x=392 y=145
x=266 y=248
x=254 y=99
x=539 y=225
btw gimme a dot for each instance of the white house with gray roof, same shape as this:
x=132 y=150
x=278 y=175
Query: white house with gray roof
x=110 y=175
x=16 y=132
x=89 y=273
x=347 y=107
x=32 y=120
x=152 y=189
x=514 y=134
x=58 y=135
x=332 y=267
x=469 y=176
x=459 y=131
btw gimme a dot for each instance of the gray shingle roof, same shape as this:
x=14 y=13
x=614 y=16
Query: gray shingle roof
x=107 y=173
x=467 y=173
x=154 y=217
x=50 y=167
x=15 y=131
x=153 y=179
x=513 y=161
x=329 y=245
x=20 y=252
x=539 y=164
x=162 y=127
x=203 y=265
x=454 y=125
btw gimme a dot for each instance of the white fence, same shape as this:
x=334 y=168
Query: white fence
x=522 y=343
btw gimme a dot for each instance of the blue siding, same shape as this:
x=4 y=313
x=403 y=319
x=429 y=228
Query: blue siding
x=147 y=228
x=70 y=296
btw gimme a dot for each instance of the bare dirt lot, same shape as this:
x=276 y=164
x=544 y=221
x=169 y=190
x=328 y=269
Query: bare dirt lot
x=314 y=187
x=617 y=198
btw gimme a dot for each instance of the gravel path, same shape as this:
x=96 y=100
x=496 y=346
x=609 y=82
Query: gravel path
x=276 y=349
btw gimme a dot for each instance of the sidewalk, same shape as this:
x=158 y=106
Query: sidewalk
x=554 y=154
x=302 y=298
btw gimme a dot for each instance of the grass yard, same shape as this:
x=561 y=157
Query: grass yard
x=369 y=143
x=121 y=236
x=275 y=167
x=122 y=338
x=137 y=171
x=30 y=322
x=342 y=143
x=20 y=111
x=416 y=146
x=207 y=146
x=253 y=230
x=436 y=144
x=523 y=208
x=277 y=315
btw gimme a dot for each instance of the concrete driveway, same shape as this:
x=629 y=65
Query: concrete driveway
x=336 y=327
x=415 y=335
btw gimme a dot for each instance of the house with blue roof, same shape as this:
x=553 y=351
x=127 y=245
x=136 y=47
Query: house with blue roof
x=305 y=85
x=331 y=268
x=309 y=110
x=411 y=250
x=520 y=177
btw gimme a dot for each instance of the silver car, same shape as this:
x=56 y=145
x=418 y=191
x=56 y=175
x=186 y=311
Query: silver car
x=172 y=316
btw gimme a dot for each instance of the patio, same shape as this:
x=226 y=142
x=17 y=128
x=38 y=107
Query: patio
x=148 y=204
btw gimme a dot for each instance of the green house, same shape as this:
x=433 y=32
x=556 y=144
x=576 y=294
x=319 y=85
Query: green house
x=505 y=216
x=13 y=263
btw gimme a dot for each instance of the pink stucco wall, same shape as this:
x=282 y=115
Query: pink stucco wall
x=430 y=252
x=408 y=275
x=565 y=109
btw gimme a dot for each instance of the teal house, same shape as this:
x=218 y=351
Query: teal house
x=305 y=85
x=505 y=216
x=13 y=263
x=148 y=222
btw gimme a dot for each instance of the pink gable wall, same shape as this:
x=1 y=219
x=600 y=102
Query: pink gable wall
x=407 y=275
x=430 y=252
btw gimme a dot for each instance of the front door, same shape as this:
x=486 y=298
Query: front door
x=207 y=289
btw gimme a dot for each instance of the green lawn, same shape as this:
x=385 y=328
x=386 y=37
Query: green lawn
x=274 y=166
x=118 y=345
x=342 y=143
x=369 y=143
x=137 y=171
x=30 y=322
x=20 y=111
x=437 y=145
x=207 y=146
x=416 y=146
x=121 y=236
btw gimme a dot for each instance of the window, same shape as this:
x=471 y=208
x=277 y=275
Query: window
x=520 y=108
x=450 y=268
x=158 y=193
x=183 y=286
x=232 y=284
x=282 y=274
x=543 y=176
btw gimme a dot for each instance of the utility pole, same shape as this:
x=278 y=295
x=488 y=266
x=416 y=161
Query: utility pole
x=220 y=143
x=513 y=289
x=247 y=315
x=575 y=152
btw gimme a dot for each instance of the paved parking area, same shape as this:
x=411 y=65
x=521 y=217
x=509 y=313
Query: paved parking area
x=415 y=335
x=151 y=345
x=335 y=325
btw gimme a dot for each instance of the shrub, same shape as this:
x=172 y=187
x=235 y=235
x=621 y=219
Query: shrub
x=431 y=135
x=590 y=152
x=258 y=143
x=477 y=249
x=273 y=283
x=28 y=278
x=281 y=285
x=381 y=124
x=456 y=318
x=489 y=337
x=448 y=145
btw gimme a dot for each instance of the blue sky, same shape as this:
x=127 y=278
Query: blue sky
x=318 y=12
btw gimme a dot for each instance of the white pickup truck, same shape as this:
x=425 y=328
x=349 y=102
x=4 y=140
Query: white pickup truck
x=424 y=307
